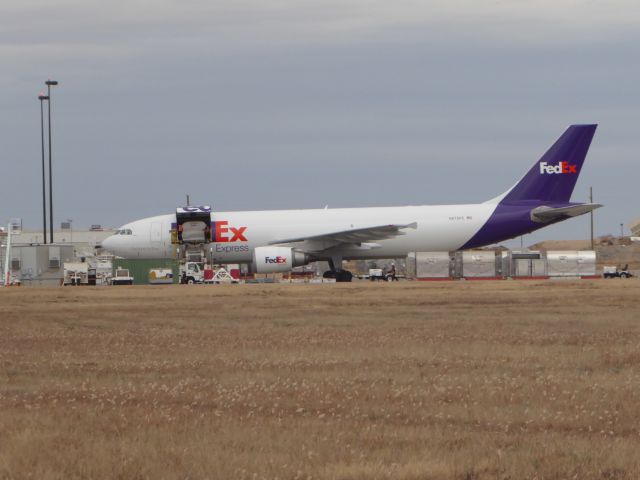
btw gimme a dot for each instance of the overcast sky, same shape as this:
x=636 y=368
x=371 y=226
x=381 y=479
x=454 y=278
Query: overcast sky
x=260 y=104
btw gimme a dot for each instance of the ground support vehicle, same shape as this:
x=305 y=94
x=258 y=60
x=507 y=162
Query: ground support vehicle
x=615 y=272
x=192 y=272
x=122 y=277
x=221 y=275
x=160 y=276
x=76 y=273
x=377 y=274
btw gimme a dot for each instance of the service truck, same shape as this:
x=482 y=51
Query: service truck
x=192 y=272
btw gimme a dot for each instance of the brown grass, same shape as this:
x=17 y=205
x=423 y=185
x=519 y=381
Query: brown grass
x=461 y=380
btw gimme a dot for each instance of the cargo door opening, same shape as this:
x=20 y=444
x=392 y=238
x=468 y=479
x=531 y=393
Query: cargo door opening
x=192 y=226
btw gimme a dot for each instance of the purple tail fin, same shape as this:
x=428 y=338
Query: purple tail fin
x=553 y=177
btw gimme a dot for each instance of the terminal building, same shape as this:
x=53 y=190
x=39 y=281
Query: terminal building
x=34 y=263
x=84 y=241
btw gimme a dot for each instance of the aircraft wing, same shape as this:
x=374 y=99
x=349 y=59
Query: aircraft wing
x=550 y=214
x=355 y=236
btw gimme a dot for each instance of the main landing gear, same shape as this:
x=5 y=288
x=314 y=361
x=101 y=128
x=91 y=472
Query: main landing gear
x=340 y=275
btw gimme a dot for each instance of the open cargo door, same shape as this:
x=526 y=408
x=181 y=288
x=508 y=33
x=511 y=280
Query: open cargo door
x=192 y=226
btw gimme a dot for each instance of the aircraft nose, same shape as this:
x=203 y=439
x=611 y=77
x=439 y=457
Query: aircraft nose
x=109 y=243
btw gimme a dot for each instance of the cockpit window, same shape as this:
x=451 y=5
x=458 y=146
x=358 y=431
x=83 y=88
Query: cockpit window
x=123 y=231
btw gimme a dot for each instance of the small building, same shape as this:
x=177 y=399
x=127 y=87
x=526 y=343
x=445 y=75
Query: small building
x=39 y=265
x=634 y=226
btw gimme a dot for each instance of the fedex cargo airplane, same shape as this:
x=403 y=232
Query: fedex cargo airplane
x=278 y=240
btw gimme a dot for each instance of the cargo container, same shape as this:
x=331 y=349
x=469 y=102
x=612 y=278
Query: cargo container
x=432 y=265
x=523 y=264
x=479 y=264
x=571 y=263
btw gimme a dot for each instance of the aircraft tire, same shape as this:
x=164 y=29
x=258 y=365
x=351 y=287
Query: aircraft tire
x=344 y=276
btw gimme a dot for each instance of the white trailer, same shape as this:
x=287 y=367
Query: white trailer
x=122 y=277
x=76 y=273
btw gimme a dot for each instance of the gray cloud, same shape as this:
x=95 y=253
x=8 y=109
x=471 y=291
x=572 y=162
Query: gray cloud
x=298 y=104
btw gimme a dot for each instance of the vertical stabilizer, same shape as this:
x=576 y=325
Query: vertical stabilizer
x=553 y=177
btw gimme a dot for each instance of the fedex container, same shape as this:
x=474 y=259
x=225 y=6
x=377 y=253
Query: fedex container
x=524 y=267
x=571 y=263
x=479 y=264
x=524 y=264
x=432 y=265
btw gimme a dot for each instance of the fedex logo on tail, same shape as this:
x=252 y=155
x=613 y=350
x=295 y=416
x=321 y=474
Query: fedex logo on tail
x=277 y=259
x=561 y=168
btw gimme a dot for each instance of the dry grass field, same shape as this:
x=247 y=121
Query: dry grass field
x=460 y=380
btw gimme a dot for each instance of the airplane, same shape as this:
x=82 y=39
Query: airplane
x=279 y=240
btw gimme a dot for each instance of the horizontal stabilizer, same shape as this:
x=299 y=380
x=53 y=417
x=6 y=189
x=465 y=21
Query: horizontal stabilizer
x=549 y=214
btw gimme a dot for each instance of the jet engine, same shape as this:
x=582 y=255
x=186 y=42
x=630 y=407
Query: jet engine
x=277 y=259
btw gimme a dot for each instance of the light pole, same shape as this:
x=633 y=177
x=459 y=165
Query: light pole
x=49 y=83
x=621 y=230
x=591 y=215
x=42 y=97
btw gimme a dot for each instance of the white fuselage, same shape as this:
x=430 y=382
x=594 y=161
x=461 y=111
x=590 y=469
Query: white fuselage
x=438 y=228
x=285 y=238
